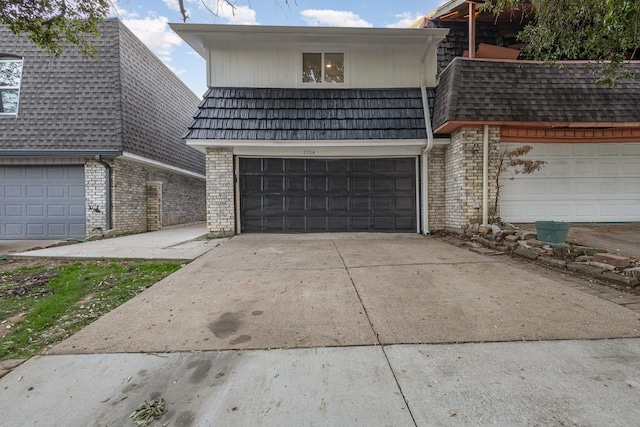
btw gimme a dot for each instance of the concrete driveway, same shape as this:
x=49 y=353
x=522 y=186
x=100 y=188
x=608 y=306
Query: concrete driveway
x=359 y=330
x=289 y=291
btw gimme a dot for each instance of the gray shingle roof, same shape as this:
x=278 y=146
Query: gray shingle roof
x=475 y=90
x=309 y=114
x=125 y=99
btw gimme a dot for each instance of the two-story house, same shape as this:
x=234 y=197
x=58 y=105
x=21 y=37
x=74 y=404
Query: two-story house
x=314 y=129
x=376 y=129
x=89 y=145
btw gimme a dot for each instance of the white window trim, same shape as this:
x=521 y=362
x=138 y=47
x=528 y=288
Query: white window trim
x=323 y=50
x=13 y=59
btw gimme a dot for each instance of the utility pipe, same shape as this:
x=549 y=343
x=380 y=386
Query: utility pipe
x=107 y=209
x=485 y=175
x=472 y=29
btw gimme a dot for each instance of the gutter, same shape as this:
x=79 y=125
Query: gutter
x=427 y=149
x=107 y=209
x=59 y=153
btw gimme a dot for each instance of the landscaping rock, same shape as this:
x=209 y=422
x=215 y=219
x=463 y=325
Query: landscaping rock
x=584 y=258
x=529 y=253
x=631 y=282
x=472 y=245
x=553 y=262
x=512 y=238
x=613 y=259
x=605 y=267
x=536 y=243
x=580 y=267
x=527 y=235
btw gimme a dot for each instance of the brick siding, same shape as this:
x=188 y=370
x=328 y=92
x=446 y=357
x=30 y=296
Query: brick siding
x=436 y=189
x=182 y=197
x=220 y=191
x=463 y=175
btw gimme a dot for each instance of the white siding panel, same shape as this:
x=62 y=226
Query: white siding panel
x=280 y=66
x=580 y=183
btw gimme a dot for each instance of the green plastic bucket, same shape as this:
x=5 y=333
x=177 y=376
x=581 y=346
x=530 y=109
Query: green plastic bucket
x=552 y=232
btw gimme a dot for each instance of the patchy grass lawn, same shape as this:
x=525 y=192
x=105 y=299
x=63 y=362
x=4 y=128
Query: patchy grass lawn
x=45 y=301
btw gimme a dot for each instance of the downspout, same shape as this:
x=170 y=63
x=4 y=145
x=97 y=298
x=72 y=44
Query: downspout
x=485 y=175
x=107 y=209
x=427 y=149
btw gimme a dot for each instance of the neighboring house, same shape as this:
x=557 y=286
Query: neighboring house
x=91 y=145
x=316 y=129
x=588 y=134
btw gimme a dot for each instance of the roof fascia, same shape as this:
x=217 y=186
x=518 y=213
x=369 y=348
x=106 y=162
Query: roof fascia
x=200 y=36
x=451 y=126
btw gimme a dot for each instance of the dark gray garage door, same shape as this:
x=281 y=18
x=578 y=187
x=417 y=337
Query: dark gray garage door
x=316 y=195
x=42 y=202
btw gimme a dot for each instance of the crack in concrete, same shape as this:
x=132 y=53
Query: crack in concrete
x=373 y=329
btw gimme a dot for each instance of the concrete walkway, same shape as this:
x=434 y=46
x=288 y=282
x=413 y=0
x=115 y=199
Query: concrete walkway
x=171 y=243
x=343 y=330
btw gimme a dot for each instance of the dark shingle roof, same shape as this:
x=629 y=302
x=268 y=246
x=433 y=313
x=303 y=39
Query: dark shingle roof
x=125 y=99
x=474 y=90
x=309 y=114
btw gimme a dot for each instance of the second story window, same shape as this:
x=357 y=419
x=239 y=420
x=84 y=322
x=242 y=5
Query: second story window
x=10 y=76
x=323 y=67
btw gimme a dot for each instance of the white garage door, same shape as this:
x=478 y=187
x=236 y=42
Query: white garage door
x=42 y=202
x=580 y=183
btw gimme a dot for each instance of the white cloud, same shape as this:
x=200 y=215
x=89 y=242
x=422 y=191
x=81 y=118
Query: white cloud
x=334 y=18
x=155 y=33
x=177 y=71
x=240 y=15
x=405 y=20
x=172 y=5
x=121 y=13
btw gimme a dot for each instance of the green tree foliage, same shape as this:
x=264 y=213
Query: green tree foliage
x=50 y=23
x=604 y=31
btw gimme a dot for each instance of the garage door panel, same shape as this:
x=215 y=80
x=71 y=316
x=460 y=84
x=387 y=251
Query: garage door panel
x=56 y=173
x=54 y=211
x=328 y=195
x=339 y=223
x=295 y=223
x=56 y=191
x=339 y=205
x=14 y=231
x=56 y=230
x=76 y=211
x=630 y=149
x=14 y=210
x=295 y=183
x=13 y=191
x=35 y=173
x=601 y=182
x=361 y=184
x=40 y=202
x=35 y=211
x=630 y=211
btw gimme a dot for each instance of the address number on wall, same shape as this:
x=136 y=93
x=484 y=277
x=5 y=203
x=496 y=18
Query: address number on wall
x=308 y=152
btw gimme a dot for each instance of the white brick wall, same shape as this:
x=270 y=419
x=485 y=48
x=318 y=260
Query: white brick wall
x=463 y=175
x=181 y=198
x=95 y=191
x=220 y=191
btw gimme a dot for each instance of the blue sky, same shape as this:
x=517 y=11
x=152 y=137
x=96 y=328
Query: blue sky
x=148 y=19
